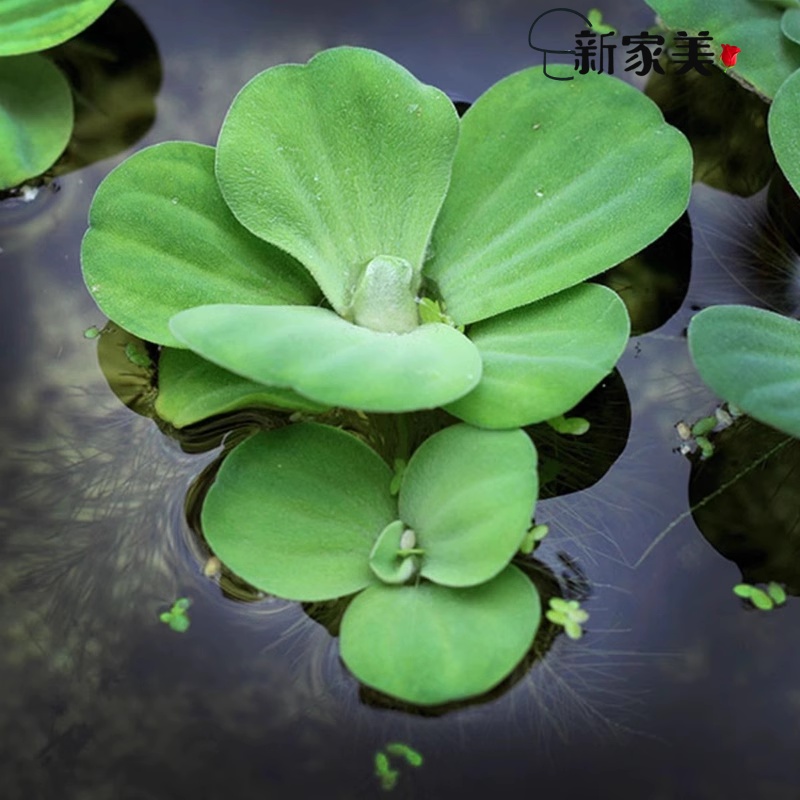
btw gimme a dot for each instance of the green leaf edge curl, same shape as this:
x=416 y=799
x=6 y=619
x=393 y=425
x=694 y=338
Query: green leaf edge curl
x=329 y=360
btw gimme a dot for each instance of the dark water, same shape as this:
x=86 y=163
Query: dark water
x=676 y=691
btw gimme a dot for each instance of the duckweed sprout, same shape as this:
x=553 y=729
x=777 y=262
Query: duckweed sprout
x=569 y=614
x=775 y=595
x=176 y=617
x=574 y=426
x=532 y=539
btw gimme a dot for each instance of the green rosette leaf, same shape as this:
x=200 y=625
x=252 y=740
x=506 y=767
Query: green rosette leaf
x=553 y=182
x=36 y=116
x=767 y=59
x=469 y=496
x=541 y=360
x=191 y=389
x=430 y=644
x=338 y=161
x=296 y=512
x=161 y=240
x=31 y=25
x=329 y=360
x=750 y=357
x=784 y=124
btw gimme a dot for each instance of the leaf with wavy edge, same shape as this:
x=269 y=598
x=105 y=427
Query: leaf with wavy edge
x=161 y=240
x=541 y=360
x=321 y=356
x=553 y=182
x=338 y=161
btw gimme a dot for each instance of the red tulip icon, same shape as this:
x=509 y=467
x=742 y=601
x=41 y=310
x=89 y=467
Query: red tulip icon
x=729 y=53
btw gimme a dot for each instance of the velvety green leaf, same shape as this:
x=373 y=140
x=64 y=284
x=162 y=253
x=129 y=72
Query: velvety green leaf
x=295 y=512
x=790 y=24
x=337 y=162
x=767 y=59
x=430 y=644
x=327 y=359
x=750 y=357
x=540 y=360
x=30 y=25
x=784 y=124
x=553 y=182
x=191 y=389
x=162 y=240
x=469 y=496
x=36 y=116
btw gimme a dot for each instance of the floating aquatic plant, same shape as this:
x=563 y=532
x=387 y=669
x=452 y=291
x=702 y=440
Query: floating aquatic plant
x=306 y=513
x=350 y=242
x=568 y=614
x=177 y=617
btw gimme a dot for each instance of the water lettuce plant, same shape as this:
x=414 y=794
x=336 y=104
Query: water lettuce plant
x=306 y=513
x=350 y=242
x=36 y=109
x=750 y=357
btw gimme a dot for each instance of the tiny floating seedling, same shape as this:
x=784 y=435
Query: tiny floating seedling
x=177 y=617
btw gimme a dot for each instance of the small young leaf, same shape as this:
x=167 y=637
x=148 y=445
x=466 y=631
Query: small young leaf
x=743 y=590
x=574 y=426
x=706 y=448
x=776 y=592
x=386 y=559
x=573 y=629
x=760 y=599
x=704 y=426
